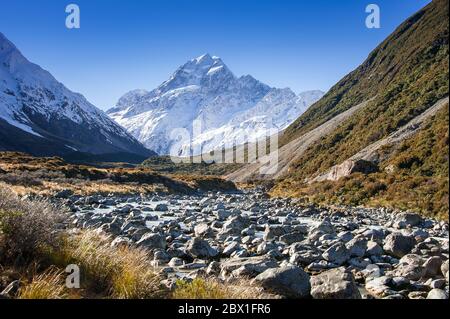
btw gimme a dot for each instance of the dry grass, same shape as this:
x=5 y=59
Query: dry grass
x=48 y=285
x=119 y=272
x=45 y=176
x=201 y=288
x=27 y=229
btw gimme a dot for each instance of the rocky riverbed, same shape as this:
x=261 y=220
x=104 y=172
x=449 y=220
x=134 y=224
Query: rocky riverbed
x=291 y=250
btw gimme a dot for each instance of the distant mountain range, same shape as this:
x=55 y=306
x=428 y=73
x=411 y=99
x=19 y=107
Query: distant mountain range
x=41 y=116
x=229 y=109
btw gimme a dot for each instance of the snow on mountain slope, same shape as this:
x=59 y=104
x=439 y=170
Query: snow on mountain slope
x=33 y=101
x=205 y=91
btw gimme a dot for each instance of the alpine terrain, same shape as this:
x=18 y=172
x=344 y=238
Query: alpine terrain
x=380 y=135
x=40 y=116
x=229 y=110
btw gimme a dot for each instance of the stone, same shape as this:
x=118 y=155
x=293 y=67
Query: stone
x=437 y=294
x=152 y=241
x=398 y=245
x=222 y=214
x=235 y=225
x=438 y=283
x=161 y=208
x=272 y=232
x=253 y=265
x=444 y=267
x=379 y=287
x=334 y=284
x=65 y=193
x=345 y=236
x=203 y=230
x=404 y=220
x=231 y=248
x=337 y=254
x=303 y=254
x=357 y=247
x=200 y=248
x=412 y=259
x=176 y=262
x=347 y=168
x=412 y=272
x=417 y=295
x=265 y=247
x=432 y=266
x=374 y=249
x=292 y=237
x=289 y=281
x=121 y=242
x=213 y=268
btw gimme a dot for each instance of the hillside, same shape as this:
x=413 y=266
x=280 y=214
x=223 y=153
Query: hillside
x=39 y=115
x=400 y=81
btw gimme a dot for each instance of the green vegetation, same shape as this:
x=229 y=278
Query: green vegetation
x=413 y=176
x=405 y=75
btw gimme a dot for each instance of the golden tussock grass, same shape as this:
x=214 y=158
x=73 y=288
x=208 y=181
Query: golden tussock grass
x=205 y=288
x=48 y=285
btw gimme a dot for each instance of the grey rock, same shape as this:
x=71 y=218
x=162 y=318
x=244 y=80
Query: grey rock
x=357 y=247
x=152 y=241
x=290 y=281
x=437 y=294
x=292 y=237
x=374 y=249
x=200 y=248
x=407 y=219
x=398 y=245
x=203 y=230
x=334 y=284
x=337 y=254
x=432 y=266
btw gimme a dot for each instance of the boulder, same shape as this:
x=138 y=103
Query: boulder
x=288 y=281
x=357 y=247
x=203 y=230
x=334 y=284
x=253 y=266
x=373 y=249
x=161 y=208
x=337 y=254
x=432 y=266
x=272 y=232
x=444 y=267
x=398 y=245
x=152 y=241
x=200 y=248
x=404 y=220
x=437 y=294
x=292 y=237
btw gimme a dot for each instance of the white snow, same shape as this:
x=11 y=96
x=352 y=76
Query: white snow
x=26 y=87
x=229 y=109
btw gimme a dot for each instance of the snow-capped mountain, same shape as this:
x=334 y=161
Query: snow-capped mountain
x=204 y=90
x=41 y=116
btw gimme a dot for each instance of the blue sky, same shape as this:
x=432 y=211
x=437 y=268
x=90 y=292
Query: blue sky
x=124 y=45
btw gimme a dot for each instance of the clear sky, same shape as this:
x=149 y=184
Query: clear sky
x=124 y=45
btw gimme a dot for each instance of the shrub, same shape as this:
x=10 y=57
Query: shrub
x=27 y=229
